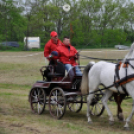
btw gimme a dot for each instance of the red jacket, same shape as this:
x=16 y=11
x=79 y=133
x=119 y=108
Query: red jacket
x=51 y=46
x=66 y=54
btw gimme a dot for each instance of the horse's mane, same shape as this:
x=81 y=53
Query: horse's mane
x=129 y=54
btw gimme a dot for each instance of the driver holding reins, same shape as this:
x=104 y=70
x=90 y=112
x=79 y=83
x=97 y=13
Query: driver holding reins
x=67 y=55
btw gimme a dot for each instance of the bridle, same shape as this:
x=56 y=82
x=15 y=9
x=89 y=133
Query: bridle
x=128 y=78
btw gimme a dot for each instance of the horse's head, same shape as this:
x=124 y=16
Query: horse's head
x=130 y=54
x=132 y=47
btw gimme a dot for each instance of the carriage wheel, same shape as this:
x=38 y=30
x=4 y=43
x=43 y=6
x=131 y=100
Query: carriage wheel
x=96 y=107
x=37 y=100
x=75 y=103
x=57 y=103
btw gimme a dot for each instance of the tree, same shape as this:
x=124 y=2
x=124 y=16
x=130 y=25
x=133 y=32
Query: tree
x=12 y=22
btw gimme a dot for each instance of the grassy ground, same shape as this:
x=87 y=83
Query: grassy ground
x=18 y=72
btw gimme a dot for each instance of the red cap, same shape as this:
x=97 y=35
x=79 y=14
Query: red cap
x=53 y=34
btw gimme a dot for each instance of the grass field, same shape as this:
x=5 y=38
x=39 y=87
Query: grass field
x=19 y=71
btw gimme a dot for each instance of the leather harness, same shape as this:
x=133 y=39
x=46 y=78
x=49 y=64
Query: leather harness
x=124 y=80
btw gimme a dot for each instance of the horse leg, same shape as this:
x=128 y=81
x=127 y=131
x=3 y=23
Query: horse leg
x=89 y=100
x=104 y=100
x=120 y=113
x=126 y=126
x=130 y=91
x=118 y=99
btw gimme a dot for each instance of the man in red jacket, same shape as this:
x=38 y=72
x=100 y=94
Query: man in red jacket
x=67 y=55
x=52 y=44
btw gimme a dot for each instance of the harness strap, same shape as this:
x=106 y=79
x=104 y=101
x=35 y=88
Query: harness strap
x=117 y=83
x=131 y=65
x=101 y=89
x=125 y=66
x=123 y=80
x=117 y=68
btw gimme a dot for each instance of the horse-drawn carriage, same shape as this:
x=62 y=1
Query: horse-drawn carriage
x=60 y=89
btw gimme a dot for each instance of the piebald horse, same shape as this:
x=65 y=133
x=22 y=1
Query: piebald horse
x=104 y=73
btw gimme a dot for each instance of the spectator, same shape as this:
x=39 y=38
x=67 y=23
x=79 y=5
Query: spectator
x=51 y=45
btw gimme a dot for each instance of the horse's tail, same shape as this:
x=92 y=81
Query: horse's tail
x=84 y=83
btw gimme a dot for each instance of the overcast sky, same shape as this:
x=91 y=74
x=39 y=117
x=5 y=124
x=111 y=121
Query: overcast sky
x=130 y=0
x=35 y=0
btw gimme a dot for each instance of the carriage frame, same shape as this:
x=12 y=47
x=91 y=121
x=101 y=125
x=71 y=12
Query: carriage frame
x=60 y=90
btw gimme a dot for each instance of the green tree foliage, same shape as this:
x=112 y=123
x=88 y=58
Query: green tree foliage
x=101 y=23
x=12 y=24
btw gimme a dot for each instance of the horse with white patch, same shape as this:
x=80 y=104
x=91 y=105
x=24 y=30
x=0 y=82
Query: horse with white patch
x=104 y=73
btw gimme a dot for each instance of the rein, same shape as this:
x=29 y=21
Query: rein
x=100 y=58
x=104 y=59
x=101 y=89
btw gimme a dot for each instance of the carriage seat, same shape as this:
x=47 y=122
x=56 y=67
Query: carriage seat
x=58 y=70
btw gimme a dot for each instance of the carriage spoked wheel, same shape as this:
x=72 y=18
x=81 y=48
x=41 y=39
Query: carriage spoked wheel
x=75 y=103
x=57 y=103
x=37 y=100
x=96 y=107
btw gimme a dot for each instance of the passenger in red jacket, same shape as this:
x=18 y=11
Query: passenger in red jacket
x=67 y=55
x=51 y=45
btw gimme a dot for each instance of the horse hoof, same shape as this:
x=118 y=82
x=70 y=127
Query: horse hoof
x=90 y=122
x=120 y=117
x=111 y=122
